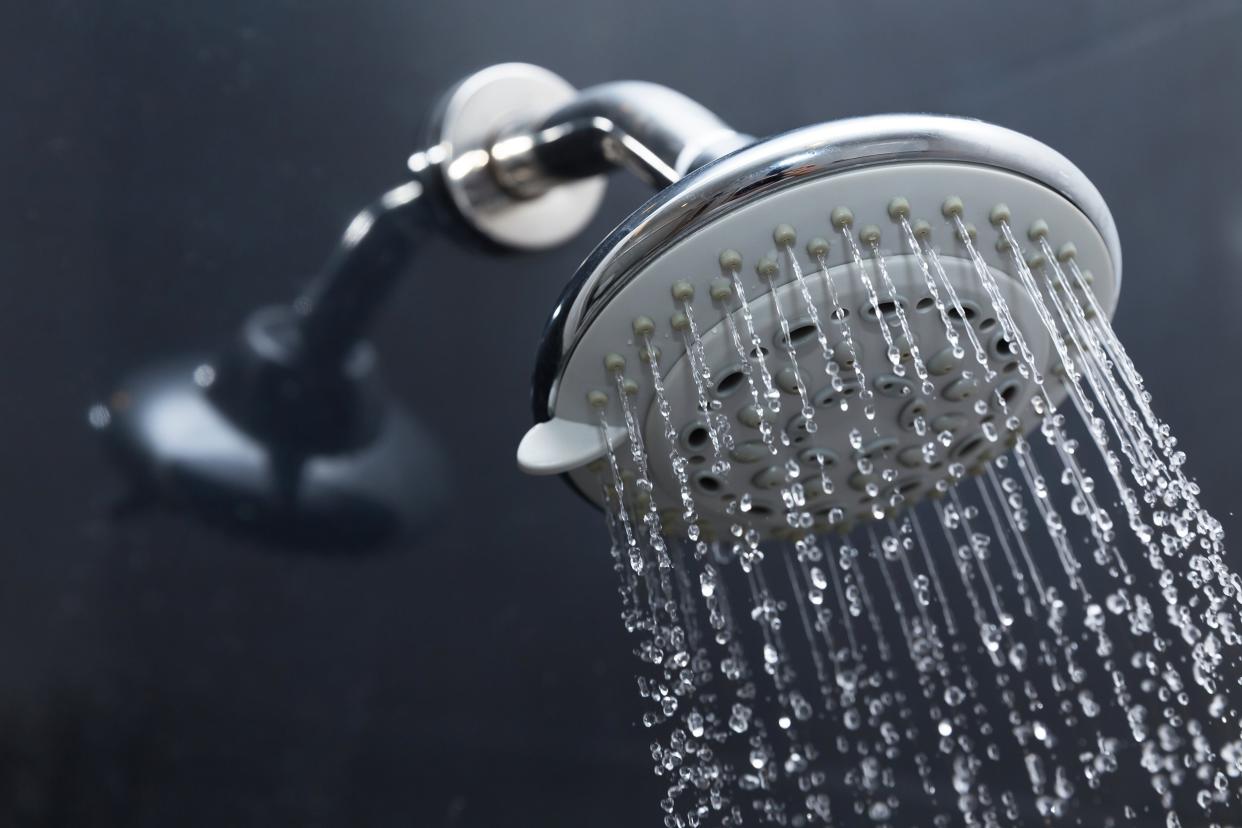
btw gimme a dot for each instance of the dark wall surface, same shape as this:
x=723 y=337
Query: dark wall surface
x=167 y=166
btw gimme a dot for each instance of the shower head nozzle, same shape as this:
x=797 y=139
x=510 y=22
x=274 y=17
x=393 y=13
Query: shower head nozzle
x=839 y=314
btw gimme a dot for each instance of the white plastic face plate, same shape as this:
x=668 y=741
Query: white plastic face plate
x=890 y=439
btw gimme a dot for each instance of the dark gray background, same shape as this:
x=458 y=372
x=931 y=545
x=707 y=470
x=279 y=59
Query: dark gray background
x=165 y=166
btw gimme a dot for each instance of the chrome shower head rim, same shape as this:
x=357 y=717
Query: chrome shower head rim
x=785 y=160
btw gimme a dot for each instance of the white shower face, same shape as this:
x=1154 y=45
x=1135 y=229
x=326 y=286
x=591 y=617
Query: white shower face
x=848 y=354
x=858 y=335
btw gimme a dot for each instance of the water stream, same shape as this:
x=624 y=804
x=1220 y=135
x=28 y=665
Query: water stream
x=1024 y=663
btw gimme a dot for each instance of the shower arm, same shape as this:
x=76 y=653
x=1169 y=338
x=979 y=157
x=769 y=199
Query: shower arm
x=529 y=168
x=294 y=374
x=652 y=131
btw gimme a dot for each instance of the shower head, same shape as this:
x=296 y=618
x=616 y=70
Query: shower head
x=816 y=312
x=808 y=334
x=811 y=333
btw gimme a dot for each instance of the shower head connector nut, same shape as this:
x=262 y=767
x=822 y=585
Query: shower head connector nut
x=464 y=143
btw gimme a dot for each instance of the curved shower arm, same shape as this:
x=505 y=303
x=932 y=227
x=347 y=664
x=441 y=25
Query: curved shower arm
x=655 y=132
x=651 y=130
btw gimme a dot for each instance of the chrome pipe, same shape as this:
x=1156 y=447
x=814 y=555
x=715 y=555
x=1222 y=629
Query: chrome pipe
x=655 y=132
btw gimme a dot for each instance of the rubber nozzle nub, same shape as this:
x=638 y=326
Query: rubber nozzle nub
x=767 y=267
x=751 y=416
x=721 y=289
x=952 y=206
x=898 y=209
x=643 y=326
x=818 y=247
x=1067 y=252
x=842 y=217
x=683 y=291
x=1039 y=229
x=679 y=322
x=651 y=354
x=922 y=229
x=614 y=363
x=597 y=399
x=730 y=260
x=784 y=235
x=869 y=234
x=630 y=387
x=971 y=232
x=999 y=213
x=1036 y=260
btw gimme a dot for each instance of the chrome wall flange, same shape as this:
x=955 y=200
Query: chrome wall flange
x=466 y=128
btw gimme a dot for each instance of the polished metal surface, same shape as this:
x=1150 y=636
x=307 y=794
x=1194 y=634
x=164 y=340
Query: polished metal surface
x=783 y=161
x=655 y=132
